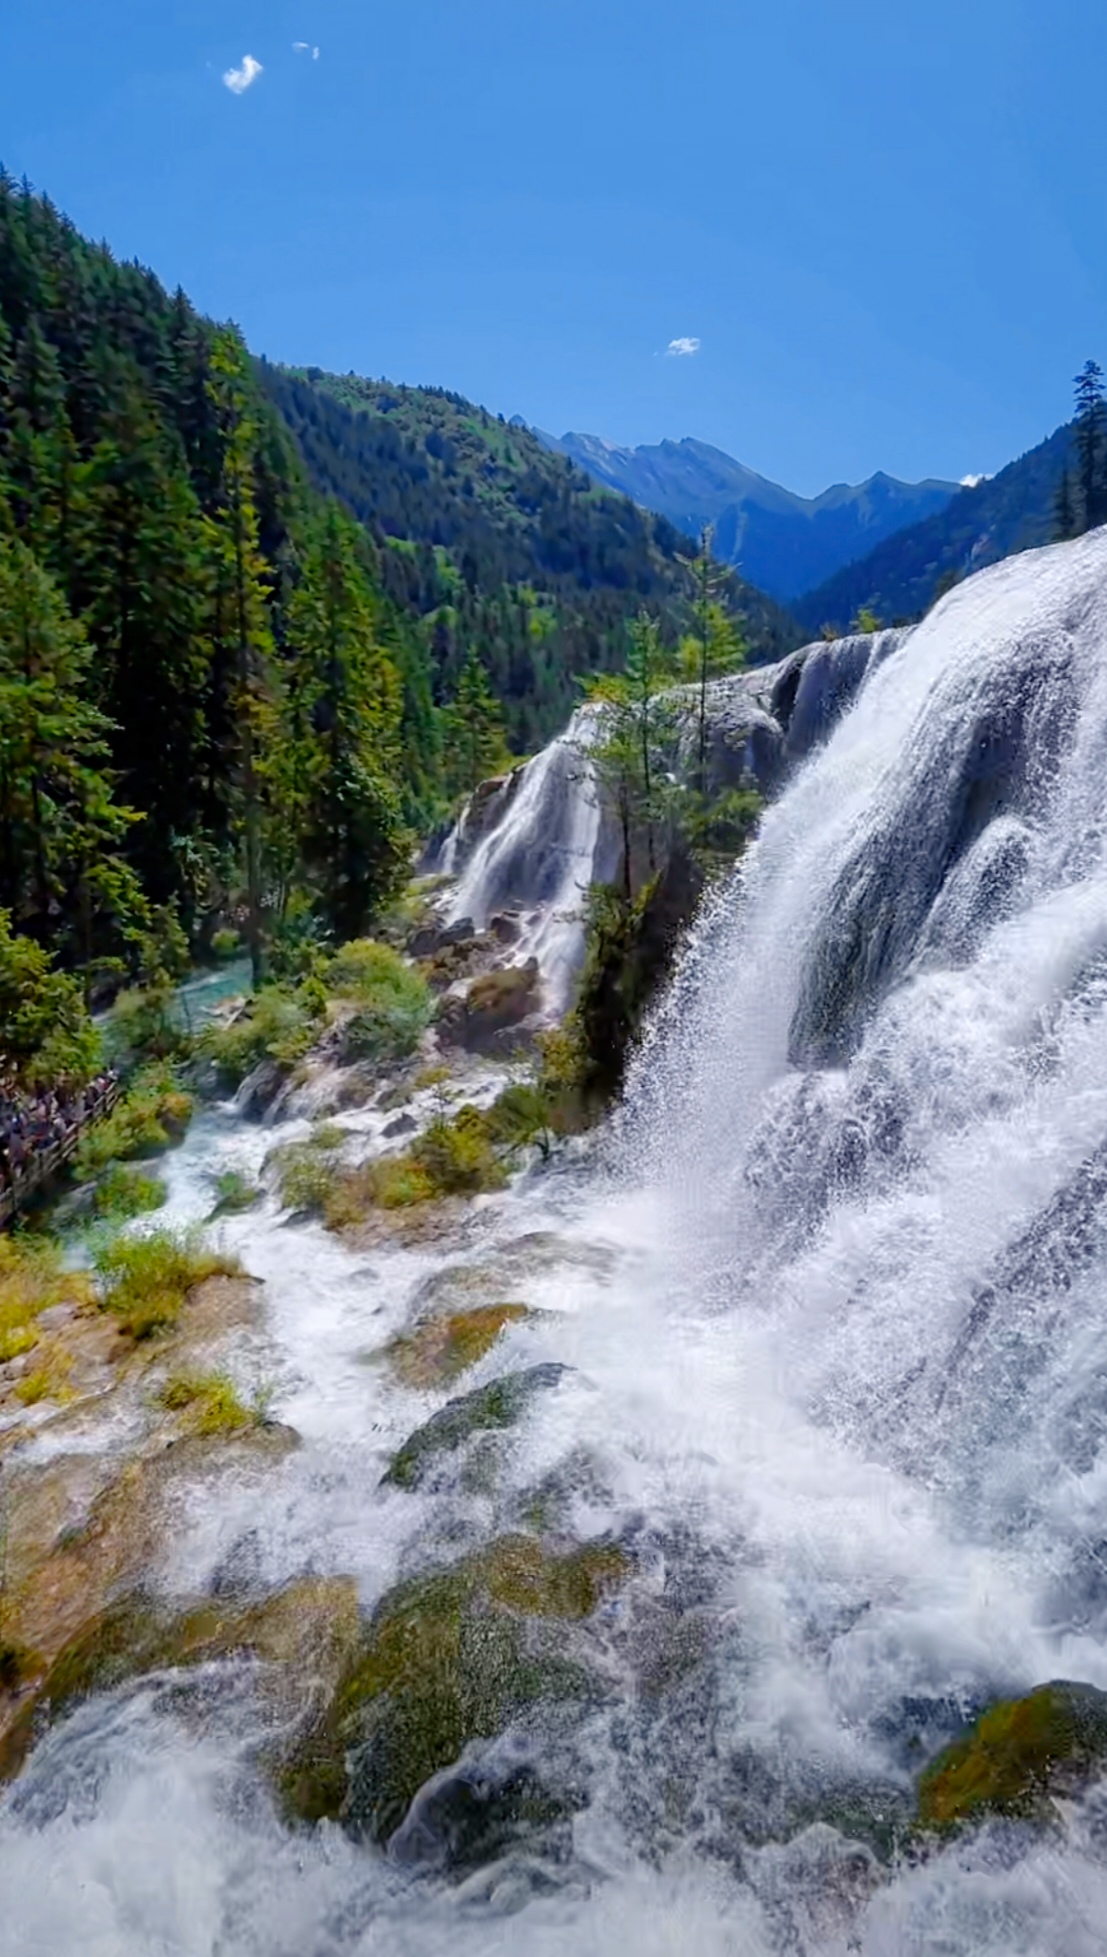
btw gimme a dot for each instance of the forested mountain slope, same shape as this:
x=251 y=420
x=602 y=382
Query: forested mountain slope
x=206 y=698
x=782 y=543
x=497 y=543
x=1012 y=511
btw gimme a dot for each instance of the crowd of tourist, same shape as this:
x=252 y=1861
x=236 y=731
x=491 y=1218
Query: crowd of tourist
x=30 y=1124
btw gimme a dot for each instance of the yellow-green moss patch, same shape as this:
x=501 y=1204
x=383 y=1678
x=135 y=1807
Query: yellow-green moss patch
x=1017 y=1754
x=441 y=1349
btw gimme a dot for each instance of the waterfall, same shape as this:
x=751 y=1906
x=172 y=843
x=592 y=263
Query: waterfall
x=827 y=1301
x=543 y=841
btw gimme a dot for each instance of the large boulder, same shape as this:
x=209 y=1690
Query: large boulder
x=489 y=1016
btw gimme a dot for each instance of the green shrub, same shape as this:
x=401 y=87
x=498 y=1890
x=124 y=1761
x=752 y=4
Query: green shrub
x=394 y=1002
x=225 y=945
x=457 y=1155
x=522 y=1117
x=278 y=1023
x=212 y=1401
x=453 y=1157
x=153 y=1114
x=234 y=1192
x=146 y=1025
x=144 y=1280
x=123 y=1192
x=32 y=1277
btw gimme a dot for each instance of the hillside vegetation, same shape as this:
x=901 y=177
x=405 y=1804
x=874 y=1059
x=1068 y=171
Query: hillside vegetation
x=1013 y=511
x=496 y=543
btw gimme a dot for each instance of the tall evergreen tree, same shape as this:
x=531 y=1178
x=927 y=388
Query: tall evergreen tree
x=338 y=761
x=1064 y=512
x=1091 y=445
x=477 y=747
x=241 y=693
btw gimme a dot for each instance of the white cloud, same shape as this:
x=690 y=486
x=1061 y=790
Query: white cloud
x=973 y=482
x=238 y=80
x=305 y=47
x=683 y=348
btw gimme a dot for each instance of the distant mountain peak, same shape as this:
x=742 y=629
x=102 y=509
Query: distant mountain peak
x=781 y=542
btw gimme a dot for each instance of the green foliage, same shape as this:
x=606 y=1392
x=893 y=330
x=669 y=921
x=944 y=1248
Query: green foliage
x=32 y=1277
x=308 y=1169
x=865 y=621
x=146 y=1025
x=234 y=1192
x=476 y=746
x=144 y=1280
x=394 y=1002
x=153 y=1114
x=278 y=1023
x=212 y=1403
x=226 y=944
x=522 y=1117
x=122 y=1193
x=46 y=1035
x=497 y=546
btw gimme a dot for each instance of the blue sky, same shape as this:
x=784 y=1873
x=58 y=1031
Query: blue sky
x=883 y=223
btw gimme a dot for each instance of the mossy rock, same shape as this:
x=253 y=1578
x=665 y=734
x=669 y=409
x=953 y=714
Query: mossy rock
x=450 y=1659
x=310 y=1627
x=441 y=1349
x=1016 y=1756
x=498 y=1405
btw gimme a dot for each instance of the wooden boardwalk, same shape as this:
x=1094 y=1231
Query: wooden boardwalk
x=47 y=1161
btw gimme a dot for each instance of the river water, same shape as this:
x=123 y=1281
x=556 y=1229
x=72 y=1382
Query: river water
x=831 y=1293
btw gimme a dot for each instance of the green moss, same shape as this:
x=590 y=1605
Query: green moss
x=440 y=1350
x=498 y=1405
x=1016 y=1754
x=455 y=1156
x=144 y=1280
x=447 y=1661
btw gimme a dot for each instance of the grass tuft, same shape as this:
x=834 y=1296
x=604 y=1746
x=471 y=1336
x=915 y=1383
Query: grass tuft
x=145 y=1280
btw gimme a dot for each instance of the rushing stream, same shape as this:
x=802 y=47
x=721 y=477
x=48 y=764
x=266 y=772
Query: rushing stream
x=831 y=1300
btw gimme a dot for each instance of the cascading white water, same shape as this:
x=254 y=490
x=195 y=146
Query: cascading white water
x=840 y=1385
x=539 y=858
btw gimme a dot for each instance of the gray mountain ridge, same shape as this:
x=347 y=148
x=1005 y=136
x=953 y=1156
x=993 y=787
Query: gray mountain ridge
x=783 y=543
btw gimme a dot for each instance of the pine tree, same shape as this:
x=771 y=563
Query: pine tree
x=61 y=873
x=1064 y=514
x=241 y=692
x=475 y=729
x=717 y=646
x=1091 y=431
x=338 y=760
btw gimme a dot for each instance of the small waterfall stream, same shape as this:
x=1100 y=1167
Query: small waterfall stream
x=830 y=1294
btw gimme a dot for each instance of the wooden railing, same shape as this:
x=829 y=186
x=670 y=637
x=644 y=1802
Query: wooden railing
x=48 y=1159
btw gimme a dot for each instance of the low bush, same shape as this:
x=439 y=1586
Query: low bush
x=234 y=1192
x=394 y=1003
x=455 y=1156
x=307 y=1169
x=31 y=1279
x=212 y=1402
x=153 y=1114
x=144 y=1280
x=146 y=1025
x=49 y=1380
x=225 y=945
x=124 y=1192
x=278 y=1023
